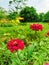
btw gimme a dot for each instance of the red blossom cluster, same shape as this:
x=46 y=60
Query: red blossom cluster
x=47 y=34
x=36 y=27
x=15 y=45
x=46 y=64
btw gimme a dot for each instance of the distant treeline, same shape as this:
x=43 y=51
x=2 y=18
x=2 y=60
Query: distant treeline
x=28 y=13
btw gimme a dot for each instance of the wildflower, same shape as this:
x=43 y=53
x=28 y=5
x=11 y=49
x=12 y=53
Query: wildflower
x=36 y=27
x=15 y=45
x=46 y=64
x=20 y=18
x=47 y=34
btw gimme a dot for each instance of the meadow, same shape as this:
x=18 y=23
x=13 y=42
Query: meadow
x=36 y=50
x=24 y=33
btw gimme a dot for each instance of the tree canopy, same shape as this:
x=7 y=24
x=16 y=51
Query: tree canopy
x=29 y=14
x=46 y=17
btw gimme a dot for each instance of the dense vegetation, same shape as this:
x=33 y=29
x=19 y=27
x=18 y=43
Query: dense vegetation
x=28 y=13
x=36 y=45
x=24 y=35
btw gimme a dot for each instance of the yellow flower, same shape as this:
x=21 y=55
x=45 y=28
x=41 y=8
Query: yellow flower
x=20 y=18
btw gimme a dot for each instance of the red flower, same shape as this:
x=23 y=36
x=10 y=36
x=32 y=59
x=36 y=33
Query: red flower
x=47 y=34
x=46 y=64
x=36 y=27
x=15 y=45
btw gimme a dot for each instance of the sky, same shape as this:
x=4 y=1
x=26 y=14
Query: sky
x=39 y=5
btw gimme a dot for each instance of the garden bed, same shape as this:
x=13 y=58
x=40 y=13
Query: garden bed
x=36 y=45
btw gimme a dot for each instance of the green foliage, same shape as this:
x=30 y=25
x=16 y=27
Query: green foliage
x=3 y=13
x=29 y=14
x=41 y=17
x=46 y=17
x=35 y=52
x=12 y=15
x=6 y=25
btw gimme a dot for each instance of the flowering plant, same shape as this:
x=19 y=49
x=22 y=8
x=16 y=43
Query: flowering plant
x=36 y=27
x=47 y=34
x=46 y=64
x=15 y=44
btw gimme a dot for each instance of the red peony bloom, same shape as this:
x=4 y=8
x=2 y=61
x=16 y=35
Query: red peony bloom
x=15 y=45
x=36 y=27
x=46 y=64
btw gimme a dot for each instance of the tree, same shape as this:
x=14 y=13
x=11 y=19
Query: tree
x=12 y=15
x=19 y=4
x=29 y=14
x=46 y=17
x=41 y=17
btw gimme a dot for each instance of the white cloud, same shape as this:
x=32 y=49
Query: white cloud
x=40 y=5
x=43 y=6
